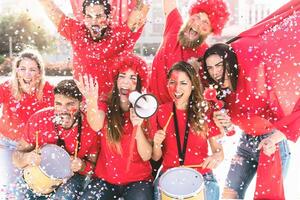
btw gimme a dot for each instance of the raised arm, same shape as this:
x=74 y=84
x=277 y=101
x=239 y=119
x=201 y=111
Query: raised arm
x=168 y=6
x=52 y=10
x=89 y=88
x=138 y=16
x=143 y=145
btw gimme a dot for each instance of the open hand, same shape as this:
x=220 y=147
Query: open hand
x=89 y=87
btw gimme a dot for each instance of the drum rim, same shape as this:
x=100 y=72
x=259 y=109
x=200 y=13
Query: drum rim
x=34 y=189
x=181 y=196
x=52 y=177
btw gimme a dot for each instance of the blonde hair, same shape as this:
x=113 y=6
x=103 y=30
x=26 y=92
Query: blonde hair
x=34 y=55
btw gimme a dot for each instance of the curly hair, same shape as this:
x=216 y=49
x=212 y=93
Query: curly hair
x=217 y=11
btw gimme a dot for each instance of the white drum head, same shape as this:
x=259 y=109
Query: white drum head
x=181 y=182
x=55 y=162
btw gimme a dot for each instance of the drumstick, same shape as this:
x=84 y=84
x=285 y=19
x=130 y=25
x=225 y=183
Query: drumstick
x=76 y=149
x=192 y=166
x=36 y=141
x=167 y=124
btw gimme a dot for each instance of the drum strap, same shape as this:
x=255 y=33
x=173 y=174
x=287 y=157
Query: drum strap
x=181 y=153
x=60 y=142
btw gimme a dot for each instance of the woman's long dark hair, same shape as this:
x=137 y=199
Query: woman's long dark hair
x=115 y=114
x=230 y=63
x=197 y=105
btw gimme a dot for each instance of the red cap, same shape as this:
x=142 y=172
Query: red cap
x=134 y=62
x=216 y=10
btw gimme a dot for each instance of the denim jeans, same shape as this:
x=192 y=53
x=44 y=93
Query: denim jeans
x=67 y=191
x=100 y=189
x=8 y=172
x=244 y=165
x=72 y=189
x=211 y=189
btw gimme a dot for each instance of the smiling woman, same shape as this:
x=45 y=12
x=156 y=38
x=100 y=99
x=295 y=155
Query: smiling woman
x=22 y=95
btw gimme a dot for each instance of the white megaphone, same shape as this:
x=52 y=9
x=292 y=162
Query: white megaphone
x=144 y=105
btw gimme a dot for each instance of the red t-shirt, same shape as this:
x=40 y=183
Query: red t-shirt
x=96 y=58
x=112 y=166
x=170 y=52
x=43 y=122
x=197 y=146
x=15 y=113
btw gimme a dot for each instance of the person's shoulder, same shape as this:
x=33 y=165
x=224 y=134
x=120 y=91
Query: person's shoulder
x=166 y=105
x=48 y=87
x=5 y=85
x=174 y=15
x=69 y=25
x=200 y=50
x=66 y=20
x=165 y=108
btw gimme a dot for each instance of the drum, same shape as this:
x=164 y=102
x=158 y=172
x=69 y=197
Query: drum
x=55 y=167
x=181 y=183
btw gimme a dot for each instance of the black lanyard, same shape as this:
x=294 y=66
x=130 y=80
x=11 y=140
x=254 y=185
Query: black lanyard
x=182 y=152
x=60 y=142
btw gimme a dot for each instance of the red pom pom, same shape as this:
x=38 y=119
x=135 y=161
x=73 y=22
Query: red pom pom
x=134 y=62
x=210 y=94
x=216 y=10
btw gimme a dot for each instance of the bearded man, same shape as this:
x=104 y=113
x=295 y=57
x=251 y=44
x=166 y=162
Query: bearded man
x=182 y=41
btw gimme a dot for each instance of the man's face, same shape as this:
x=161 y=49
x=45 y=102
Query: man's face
x=66 y=110
x=96 y=21
x=195 y=30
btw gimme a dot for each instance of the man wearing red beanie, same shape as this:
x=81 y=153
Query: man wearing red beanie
x=182 y=41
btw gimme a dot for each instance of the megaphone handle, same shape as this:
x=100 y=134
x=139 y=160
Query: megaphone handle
x=131 y=146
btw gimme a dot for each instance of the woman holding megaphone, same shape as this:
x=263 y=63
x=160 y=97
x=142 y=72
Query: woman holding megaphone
x=120 y=172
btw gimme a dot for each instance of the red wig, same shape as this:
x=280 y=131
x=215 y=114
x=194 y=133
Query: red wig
x=134 y=62
x=216 y=10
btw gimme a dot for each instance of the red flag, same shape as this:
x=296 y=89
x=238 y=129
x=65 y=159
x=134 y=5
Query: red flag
x=269 y=59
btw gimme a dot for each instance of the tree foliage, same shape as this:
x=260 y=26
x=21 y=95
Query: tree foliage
x=23 y=31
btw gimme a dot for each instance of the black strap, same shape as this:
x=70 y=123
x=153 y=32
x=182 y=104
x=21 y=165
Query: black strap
x=233 y=39
x=60 y=142
x=182 y=152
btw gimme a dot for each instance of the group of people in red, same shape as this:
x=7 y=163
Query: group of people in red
x=110 y=147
